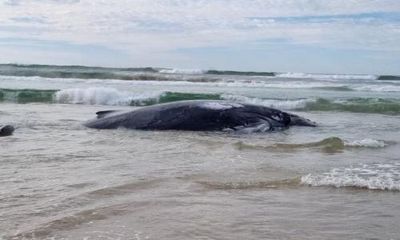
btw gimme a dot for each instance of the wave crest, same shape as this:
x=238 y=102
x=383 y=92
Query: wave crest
x=112 y=96
x=274 y=103
x=360 y=105
x=327 y=145
x=374 y=177
x=104 y=96
x=327 y=76
x=368 y=142
x=182 y=71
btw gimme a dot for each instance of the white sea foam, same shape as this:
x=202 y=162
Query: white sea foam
x=175 y=80
x=328 y=76
x=378 y=88
x=274 y=103
x=101 y=96
x=182 y=71
x=368 y=142
x=372 y=176
x=111 y=96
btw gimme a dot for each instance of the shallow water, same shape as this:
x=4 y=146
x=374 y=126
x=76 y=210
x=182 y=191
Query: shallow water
x=61 y=180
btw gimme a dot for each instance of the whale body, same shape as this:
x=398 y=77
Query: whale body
x=199 y=115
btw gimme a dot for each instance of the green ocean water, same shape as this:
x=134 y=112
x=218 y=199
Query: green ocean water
x=61 y=180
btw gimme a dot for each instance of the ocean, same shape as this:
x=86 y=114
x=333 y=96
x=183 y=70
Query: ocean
x=61 y=180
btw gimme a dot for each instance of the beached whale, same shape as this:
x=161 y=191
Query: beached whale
x=6 y=130
x=199 y=115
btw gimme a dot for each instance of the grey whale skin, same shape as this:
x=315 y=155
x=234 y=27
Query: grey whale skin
x=199 y=115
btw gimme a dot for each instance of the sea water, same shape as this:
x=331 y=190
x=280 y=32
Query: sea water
x=61 y=180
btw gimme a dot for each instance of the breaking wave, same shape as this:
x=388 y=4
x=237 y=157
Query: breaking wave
x=49 y=71
x=358 y=105
x=328 y=145
x=367 y=142
x=111 y=96
x=26 y=95
x=150 y=73
x=328 y=76
x=102 y=96
x=183 y=71
x=368 y=176
x=82 y=72
x=238 y=73
x=288 y=104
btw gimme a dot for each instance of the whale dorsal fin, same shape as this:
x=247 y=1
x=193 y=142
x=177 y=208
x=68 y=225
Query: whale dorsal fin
x=102 y=114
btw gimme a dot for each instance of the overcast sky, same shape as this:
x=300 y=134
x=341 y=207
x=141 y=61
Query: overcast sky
x=323 y=36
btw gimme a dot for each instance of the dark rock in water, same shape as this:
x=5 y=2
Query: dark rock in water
x=200 y=115
x=389 y=77
x=6 y=130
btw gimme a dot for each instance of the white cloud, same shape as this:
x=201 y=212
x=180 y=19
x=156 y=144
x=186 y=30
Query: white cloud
x=156 y=26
